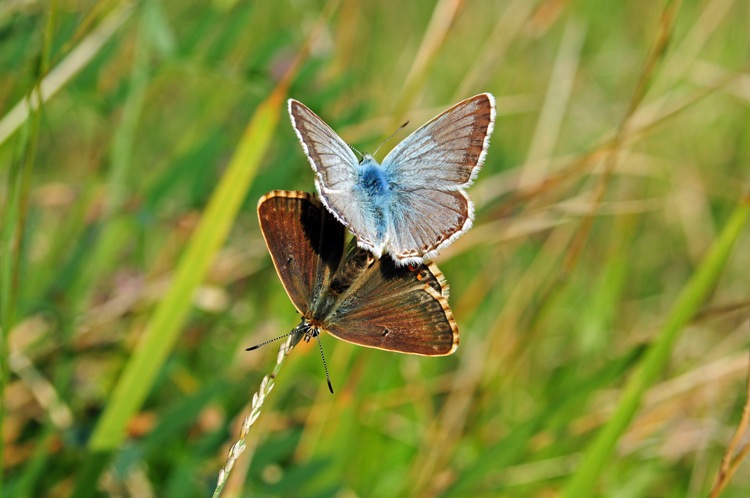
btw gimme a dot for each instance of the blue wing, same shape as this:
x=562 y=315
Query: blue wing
x=422 y=222
x=430 y=170
x=447 y=152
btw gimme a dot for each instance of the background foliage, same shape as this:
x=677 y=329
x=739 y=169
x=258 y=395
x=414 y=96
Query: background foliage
x=602 y=295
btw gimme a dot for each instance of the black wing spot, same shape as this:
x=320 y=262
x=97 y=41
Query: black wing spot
x=386 y=331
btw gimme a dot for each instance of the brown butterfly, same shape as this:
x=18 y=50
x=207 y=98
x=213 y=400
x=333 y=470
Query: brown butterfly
x=351 y=294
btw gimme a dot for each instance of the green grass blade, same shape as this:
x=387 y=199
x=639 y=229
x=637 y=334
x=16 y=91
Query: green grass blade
x=8 y=266
x=688 y=304
x=163 y=329
x=64 y=72
x=443 y=16
x=14 y=223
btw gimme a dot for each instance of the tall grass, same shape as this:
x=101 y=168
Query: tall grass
x=602 y=296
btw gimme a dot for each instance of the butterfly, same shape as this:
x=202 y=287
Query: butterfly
x=349 y=293
x=414 y=203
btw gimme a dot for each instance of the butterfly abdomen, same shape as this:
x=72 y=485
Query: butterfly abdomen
x=347 y=279
x=357 y=262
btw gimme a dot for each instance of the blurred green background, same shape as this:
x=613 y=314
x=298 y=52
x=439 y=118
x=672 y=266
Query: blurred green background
x=137 y=136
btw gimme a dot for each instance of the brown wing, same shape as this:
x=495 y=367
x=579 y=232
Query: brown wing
x=396 y=308
x=305 y=241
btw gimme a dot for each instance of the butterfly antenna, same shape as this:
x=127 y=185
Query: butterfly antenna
x=361 y=156
x=392 y=135
x=325 y=367
x=269 y=341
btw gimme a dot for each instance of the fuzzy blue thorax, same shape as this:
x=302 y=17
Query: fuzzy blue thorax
x=374 y=179
x=375 y=184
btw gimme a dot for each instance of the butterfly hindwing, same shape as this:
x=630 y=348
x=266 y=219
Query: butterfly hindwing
x=396 y=308
x=423 y=221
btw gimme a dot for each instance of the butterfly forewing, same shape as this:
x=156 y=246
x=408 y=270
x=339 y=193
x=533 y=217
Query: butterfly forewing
x=330 y=157
x=306 y=244
x=396 y=308
x=448 y=151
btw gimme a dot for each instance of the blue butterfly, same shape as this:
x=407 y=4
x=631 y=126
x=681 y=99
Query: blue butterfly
x=414 y=203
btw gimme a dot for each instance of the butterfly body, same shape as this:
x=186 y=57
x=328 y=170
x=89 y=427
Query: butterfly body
x=414 y=203
x=343 y=284
x=374 y=189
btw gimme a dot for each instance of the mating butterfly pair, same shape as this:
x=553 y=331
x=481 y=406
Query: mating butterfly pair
x=411 y=206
